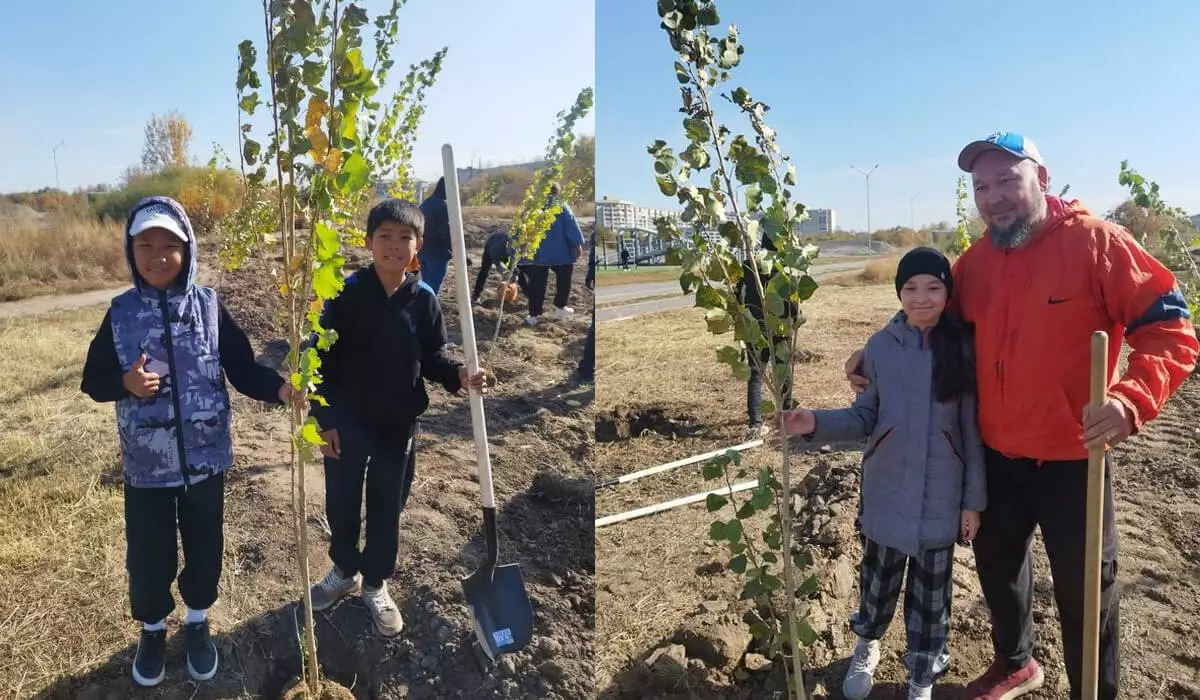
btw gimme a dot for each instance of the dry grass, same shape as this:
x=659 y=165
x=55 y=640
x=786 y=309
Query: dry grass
x=62 y=556
x=881 y=271
x=676 y=349
x=61 y=257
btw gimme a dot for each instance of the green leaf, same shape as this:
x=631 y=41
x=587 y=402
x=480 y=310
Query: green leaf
x=770 y=557
x=733 y=530
x=800 y=560
x=250 y=151
x=355 y=173
x=738 y=564
x=763 y=497
x=759 y=630
x=709 y=298
x=746 y=511
x=697 y=129
x=707 y=15
x=718 y=321
x=328 y=279
x=716 y=531
x=809 y=588
x=248 y=103
x=327 y=243
x=715 y=502
x=713 y=470
x=806 y=634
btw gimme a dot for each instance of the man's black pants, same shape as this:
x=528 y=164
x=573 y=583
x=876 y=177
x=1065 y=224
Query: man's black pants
x=385 y=462
x=539 y=280
x=152 y=517
x=1022 y=495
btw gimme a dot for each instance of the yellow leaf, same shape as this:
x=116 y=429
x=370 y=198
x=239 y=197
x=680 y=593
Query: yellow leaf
x=316 y=306
x=334 y=160
x=317 y=109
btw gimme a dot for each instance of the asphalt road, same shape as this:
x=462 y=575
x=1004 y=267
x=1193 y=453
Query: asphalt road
x=633 y=292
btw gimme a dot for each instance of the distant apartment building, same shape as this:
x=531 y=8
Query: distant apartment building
x=819 y=221
x=1196 y=221
x=622 y=215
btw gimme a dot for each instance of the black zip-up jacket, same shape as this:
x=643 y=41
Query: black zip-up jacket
x=104 y=378
x=386 y=347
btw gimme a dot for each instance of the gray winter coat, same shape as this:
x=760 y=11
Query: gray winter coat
x=923 y=464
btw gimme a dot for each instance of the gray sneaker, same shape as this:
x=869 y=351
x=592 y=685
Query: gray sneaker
x=332 y=588
x=861 y=676
x=383 y=610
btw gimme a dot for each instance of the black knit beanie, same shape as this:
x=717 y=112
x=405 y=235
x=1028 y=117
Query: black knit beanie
x=924 y=261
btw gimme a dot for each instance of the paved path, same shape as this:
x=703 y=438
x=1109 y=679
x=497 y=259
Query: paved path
x=633 y=292
x=58 y=302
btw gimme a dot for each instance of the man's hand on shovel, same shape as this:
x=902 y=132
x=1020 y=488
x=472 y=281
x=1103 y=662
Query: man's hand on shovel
x=1110 y=424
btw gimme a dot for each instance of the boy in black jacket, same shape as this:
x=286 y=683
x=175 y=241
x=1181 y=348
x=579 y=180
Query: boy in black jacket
x=390 y=338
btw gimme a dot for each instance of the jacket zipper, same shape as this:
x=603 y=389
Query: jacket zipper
x=166 y=315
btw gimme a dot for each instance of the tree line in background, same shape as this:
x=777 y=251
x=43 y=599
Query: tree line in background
x=212 y=192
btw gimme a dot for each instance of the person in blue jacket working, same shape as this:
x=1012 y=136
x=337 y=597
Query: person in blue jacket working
x=559 y=250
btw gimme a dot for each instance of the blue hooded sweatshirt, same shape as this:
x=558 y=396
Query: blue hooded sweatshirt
x=180 y=435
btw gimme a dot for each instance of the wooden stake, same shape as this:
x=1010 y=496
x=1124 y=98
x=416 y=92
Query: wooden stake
x=1094 y=524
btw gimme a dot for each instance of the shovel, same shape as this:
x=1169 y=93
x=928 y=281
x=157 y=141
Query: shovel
x=500 y=608
x=1094 y=527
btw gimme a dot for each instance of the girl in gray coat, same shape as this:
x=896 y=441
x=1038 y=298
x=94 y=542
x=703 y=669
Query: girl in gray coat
x=923 y=481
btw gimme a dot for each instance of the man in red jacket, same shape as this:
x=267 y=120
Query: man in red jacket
x=1046 y=274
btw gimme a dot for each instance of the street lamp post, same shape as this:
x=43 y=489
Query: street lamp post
x=57 y=186
x=912 y=222
x=867 y=175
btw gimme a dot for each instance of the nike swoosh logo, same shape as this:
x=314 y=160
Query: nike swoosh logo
x=1054 y=300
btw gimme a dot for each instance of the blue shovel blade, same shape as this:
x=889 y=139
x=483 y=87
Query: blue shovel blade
x=501 y=609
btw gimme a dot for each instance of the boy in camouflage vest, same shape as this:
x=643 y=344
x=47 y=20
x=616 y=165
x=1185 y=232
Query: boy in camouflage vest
x=161 y=353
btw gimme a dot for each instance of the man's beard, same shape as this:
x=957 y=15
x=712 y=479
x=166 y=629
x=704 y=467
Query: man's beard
x=1012 y=236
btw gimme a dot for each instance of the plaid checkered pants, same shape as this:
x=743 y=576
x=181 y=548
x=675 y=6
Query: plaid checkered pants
x=927 y=597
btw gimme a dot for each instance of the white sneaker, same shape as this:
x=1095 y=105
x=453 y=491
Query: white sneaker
x=916 y=692
x=332 y=588
x=563 y=311
x=531 y=321
x=861 y=676
x=383 y=610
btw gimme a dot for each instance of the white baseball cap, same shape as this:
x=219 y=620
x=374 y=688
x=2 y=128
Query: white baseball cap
x=156 y=216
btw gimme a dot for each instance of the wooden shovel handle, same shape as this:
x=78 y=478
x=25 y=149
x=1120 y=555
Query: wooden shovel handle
x=1094 y=524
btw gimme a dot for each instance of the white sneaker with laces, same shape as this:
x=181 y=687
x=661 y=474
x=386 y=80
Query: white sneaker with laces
x=563 y=311
x=861 y=676
x=383 y=610
x=332 y=588
x=917 y=692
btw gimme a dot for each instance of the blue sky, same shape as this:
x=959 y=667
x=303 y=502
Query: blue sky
x=864 y=82
x=92 y=73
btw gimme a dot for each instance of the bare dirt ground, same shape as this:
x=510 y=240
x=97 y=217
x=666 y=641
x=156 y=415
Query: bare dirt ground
x=64 y=626
x=668 y=618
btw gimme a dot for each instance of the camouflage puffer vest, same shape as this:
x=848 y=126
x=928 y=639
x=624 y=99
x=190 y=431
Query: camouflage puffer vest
x=181 y=435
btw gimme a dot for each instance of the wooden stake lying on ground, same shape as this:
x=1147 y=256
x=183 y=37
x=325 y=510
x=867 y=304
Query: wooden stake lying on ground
x=659 y=507
x=1094 y=524
x=676 y=464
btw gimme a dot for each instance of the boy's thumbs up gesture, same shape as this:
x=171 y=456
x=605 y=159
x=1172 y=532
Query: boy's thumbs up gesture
x=138 y=381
